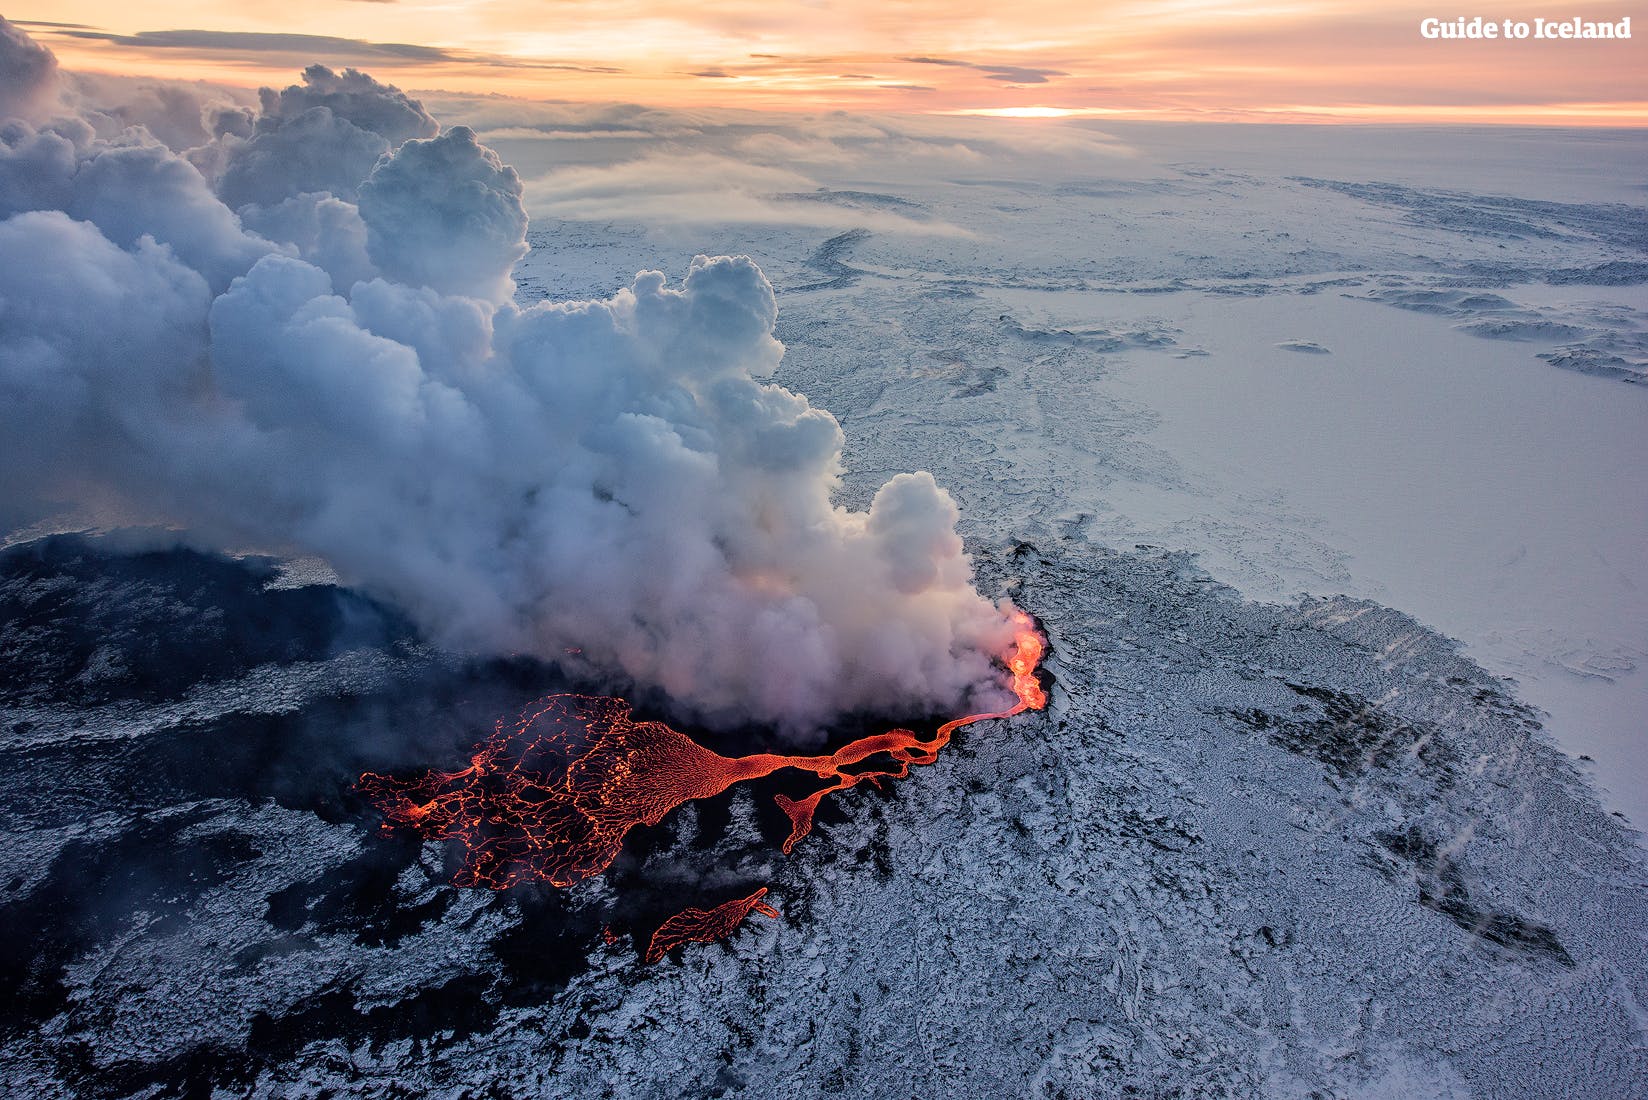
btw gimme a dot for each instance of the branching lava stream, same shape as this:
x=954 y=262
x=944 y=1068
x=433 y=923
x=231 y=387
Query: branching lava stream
x=552 y=797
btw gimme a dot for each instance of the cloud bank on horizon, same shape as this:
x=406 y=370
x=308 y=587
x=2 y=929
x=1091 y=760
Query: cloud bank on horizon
x=291 y=327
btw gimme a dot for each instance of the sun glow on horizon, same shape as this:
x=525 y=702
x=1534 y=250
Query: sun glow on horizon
x=1029 y=112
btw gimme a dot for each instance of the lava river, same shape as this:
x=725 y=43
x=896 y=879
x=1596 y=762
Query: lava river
x=551 y=796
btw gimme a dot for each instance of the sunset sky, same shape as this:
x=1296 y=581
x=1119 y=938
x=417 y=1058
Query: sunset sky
x=1351 y=60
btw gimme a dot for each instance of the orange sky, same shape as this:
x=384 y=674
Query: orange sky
x=1354 y=60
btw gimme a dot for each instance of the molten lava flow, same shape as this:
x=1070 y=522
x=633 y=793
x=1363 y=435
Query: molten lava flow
x=905 y=747
x=552 y=797
x=706 y=925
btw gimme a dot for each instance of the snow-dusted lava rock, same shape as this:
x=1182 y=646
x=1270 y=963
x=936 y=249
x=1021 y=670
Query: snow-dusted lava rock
x=1249 y=849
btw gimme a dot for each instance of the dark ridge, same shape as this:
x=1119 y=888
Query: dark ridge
x=853 y=199
x=82 y=623
x=1612 y=273
x=830 y=261
x=89 y=894
x=1501 y=215
x=1351 y=736
x=432 y=1018
x=1442 y=887
x=358 y=898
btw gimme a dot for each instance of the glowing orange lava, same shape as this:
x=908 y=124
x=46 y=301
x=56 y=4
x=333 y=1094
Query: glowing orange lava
x=552 y=797
x=706 y=925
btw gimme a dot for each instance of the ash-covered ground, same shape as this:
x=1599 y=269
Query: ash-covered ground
x=1260 y=844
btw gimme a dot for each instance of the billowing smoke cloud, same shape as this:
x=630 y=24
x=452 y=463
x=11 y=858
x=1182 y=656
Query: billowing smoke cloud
x=179 y=116
x=28 y=74
x=446 y=214
x=311 y=347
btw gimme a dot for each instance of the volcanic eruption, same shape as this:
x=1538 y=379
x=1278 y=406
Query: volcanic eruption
x=552 y=796
x=292 y=328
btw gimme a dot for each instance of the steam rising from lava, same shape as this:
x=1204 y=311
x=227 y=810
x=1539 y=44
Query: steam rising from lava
x=291 y=328
x=551 y=798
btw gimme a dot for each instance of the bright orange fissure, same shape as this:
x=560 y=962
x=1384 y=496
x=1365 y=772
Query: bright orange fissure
x=552 y=797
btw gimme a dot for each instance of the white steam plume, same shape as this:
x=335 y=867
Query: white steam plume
x=299 y=335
